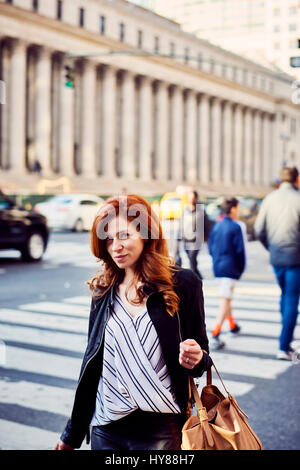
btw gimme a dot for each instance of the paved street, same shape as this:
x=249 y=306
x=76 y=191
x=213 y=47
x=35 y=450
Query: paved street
x=43 y=323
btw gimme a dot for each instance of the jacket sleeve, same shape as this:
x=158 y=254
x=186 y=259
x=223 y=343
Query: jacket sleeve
x=74 y=433
x=198 y=328
x=93 y=313
x=260 y=225
x=240 y=248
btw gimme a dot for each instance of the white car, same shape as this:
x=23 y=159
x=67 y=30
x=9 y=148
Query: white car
x=70 y=211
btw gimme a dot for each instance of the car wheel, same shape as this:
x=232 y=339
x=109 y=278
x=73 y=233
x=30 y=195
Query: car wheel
x=34 y=247
x=78 y=227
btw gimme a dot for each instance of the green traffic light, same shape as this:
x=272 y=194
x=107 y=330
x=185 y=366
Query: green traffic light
x=69 y=84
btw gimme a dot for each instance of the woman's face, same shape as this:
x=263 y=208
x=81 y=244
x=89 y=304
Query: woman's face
x=124 y=243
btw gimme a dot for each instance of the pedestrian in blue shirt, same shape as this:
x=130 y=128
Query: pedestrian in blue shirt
x=226 y=246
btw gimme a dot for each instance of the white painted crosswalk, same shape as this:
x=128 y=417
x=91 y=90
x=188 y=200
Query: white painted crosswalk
x=45 y=342
x=72 y=253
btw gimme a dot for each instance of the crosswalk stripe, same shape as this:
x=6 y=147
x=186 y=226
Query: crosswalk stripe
x=254 y=345
x=33 y=438
x=42 y=362
x=251 y=315
x=57 y=308
x=47 y=321
x=35 y=337
x=246 y=302
x=242 y=365
x=82 y=300
x=255 y=328
x=39 y=397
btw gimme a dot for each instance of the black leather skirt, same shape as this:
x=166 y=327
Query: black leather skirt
x=140 y=430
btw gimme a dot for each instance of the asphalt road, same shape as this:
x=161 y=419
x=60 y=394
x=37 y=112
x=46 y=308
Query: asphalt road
x=43 y=322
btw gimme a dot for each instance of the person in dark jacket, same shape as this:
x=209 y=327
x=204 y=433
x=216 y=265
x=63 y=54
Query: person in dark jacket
x=226 y=246
x=146 y=336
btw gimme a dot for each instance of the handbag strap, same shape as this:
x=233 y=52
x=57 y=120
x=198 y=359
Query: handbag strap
x=209 y=376
x=218 y=374
x=194 y=391
x=208 y=380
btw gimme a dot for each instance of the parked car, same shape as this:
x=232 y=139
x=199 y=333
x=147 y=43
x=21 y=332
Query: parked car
x=248 y=212
x=172 y=205
x=22 y=230
x=70 y=211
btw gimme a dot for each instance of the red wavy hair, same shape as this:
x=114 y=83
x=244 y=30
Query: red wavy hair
x=154 y=265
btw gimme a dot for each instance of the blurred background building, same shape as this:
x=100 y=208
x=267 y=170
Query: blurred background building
x=266 y=31
x=145 y=106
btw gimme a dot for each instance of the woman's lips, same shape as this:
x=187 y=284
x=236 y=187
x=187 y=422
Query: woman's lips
x=120 y=258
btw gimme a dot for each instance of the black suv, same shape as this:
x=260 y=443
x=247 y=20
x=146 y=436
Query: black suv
x=23 y=230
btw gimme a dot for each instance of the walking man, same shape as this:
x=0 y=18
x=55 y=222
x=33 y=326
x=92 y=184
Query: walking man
x=226 y=246
x=193 y=231
x=278 y=228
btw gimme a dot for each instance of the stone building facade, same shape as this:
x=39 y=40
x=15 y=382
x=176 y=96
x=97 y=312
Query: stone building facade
x=152 y=107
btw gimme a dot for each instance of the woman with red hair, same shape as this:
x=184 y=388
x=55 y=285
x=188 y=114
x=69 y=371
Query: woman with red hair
x=146 y=336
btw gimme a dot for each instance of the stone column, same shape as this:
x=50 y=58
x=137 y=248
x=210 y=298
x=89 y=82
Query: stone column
x=278 y=155
x=88 y=136
x=216 y=140
x=266 y=155
x=66 y=128
x=17 y=104
x=248 y=140
x=237 y=144
x=4 y=122
x=191 y=137
x=162 y=131
x=204 y=131
x=177 y=134
x=128 y=126
x=109 y=121
x=43 y=109
x=227 y=143
x=257 y=148
x=145 y=128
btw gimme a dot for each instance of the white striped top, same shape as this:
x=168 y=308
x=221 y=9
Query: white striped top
x=134 y=373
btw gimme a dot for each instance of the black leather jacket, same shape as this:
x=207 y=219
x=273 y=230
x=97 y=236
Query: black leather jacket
x=188 y=322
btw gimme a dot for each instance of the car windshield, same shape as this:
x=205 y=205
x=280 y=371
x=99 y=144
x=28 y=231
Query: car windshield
x=5 y=202
x=173 y=199
x=60 y=200
x=4 y=205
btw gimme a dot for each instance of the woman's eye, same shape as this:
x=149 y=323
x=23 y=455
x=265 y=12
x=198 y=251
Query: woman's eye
x=124 y=236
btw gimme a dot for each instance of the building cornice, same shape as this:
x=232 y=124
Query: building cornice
x=94 y=41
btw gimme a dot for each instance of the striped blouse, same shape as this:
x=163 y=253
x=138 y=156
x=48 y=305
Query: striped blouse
x=134 y=372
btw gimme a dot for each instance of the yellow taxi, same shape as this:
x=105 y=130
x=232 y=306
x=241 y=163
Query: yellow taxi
x=172 y=205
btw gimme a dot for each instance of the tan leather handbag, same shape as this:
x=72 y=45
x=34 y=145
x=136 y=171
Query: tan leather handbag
x=220 y=423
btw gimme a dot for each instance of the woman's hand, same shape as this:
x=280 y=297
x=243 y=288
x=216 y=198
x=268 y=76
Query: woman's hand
x=190 y=353
x=60 y=445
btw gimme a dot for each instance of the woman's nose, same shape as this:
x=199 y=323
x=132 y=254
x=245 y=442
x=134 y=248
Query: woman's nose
x=117 y=245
